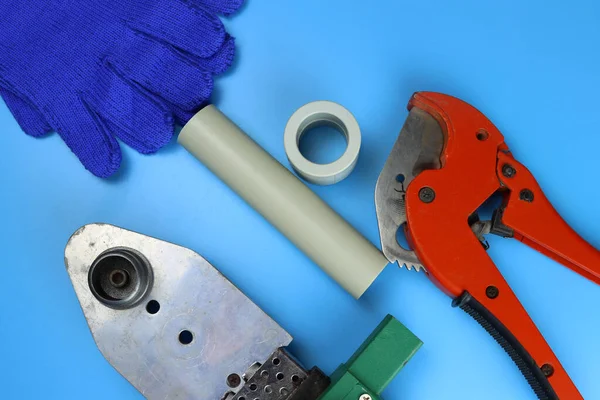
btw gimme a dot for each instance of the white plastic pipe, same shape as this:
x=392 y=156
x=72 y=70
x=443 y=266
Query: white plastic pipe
x=280 y=197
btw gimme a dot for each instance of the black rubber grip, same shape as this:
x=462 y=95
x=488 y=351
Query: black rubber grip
x=527 y=365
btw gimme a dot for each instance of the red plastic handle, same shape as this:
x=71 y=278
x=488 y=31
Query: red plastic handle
x=537 y=224
x=453 y=256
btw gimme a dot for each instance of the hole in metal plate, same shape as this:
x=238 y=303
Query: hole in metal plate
x=153 y=307
x=186 y=337
x=401 y=237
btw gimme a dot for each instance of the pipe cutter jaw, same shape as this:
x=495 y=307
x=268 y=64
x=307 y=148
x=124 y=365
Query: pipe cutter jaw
x=455 y=160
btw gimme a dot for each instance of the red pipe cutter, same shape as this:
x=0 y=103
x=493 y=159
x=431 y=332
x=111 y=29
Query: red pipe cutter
x=447 y=161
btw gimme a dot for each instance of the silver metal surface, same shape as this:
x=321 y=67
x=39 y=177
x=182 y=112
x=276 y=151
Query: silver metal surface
x=481 y=228
x=417 y=148
x=230 y=333
x=365 y=396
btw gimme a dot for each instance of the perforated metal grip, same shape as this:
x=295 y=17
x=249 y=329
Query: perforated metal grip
x=283 y=378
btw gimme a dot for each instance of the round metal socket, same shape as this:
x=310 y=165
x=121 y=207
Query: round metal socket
x=120 y=278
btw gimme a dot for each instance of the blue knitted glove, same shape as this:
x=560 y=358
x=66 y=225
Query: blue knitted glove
x=97 y=70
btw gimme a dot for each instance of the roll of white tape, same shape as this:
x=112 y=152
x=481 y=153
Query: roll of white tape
x=315 y=114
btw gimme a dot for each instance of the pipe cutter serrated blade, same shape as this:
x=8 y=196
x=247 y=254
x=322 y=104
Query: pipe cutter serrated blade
x=417 y=148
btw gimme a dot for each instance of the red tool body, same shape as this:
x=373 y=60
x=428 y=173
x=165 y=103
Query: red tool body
x=475 y=164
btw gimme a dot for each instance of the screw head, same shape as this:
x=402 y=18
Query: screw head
x=426 y=194
x=508 y=171
x=492 y=292
x=482 y=135
x=547 y=370
x=526 y=195
x=365 y=396
x=233 y=380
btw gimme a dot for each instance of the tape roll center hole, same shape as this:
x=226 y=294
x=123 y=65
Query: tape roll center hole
x=322 y=141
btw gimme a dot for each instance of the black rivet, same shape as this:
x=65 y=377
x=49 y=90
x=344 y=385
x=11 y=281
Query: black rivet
x=526 y=195
x=482 y=135
x=492 y=292
x=508 y=171
x=426 y=195
x=547 y=370
x=233 y=380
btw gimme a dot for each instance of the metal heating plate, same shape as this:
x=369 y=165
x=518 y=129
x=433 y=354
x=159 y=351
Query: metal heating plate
x=226 y=331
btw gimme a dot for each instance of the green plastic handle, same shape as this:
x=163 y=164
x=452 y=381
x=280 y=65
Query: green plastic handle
x=368 y=372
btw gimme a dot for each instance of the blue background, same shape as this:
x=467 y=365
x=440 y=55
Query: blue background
x=533 y=67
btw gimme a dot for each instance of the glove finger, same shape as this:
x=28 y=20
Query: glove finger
x=31 y=121
x=220 y=61
x=90 y=139
x=225 y=7
x=141 y=121
x=191 y=29
x=163 y=72
x=183 y=116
